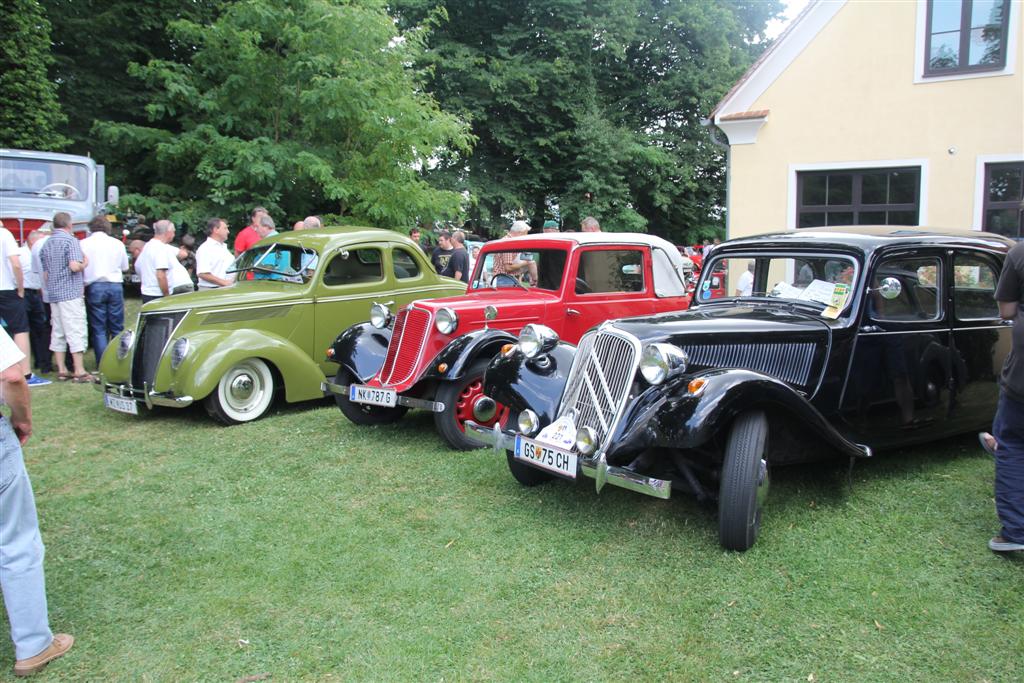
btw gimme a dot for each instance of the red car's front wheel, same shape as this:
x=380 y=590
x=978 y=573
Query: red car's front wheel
x=459 y=396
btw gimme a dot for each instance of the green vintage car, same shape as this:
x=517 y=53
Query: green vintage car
x=235 y=347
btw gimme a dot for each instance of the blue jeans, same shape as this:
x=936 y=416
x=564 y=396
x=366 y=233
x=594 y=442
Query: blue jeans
x=105 y=308
x=21 y=552
x=1008 y=428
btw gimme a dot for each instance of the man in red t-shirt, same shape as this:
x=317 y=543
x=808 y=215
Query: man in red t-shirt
x=247 y=236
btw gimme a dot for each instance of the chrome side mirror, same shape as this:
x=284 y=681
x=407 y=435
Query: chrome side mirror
x=113 y=195
x=890 y=288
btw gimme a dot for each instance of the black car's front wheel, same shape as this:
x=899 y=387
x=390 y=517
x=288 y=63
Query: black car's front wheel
x=744 y=482
x=360 y=413
x=524 y=474
x=459 y=396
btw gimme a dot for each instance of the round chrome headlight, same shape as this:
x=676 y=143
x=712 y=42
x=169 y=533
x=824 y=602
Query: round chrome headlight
x=660 y=361
x=380 y=316
x=178 y=352
x=536 y=339
x=446 y=321
x=124 y=346
x=586 y=440
x=528 y=422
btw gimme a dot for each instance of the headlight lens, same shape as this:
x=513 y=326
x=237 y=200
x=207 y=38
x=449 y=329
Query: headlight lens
x=660 y=361
x=537 y=339
x=380 y=316
x=178 y=352
x=528 y=422
x=446 y=321
x=124 y=346
x=586 y=440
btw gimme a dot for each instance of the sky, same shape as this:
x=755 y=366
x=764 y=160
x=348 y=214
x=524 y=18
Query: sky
x=793 y=8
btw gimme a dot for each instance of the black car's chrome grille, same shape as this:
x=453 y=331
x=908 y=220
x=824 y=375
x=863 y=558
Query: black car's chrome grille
x=789 y=362
x=151 y=337
x=599 y=382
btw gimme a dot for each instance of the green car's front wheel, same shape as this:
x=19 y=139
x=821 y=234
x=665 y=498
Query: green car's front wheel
x=243 y=394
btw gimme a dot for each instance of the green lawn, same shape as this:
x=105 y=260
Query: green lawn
x=302 y=547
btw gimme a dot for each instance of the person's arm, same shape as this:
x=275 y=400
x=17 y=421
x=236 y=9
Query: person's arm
x=77 y=265
x=15 y=392
x=161 y=279
x=19 y=276
x=1008 y=309
x=210 y=277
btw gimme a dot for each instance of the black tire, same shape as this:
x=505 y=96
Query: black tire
x=243 y=394
x=359 y=413
x=744 y=482
x=457 y=397
x=524 y=474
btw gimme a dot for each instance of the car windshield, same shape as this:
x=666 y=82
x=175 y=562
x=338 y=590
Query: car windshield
x=508 y=268
x=823 y=281
x=38 y=178
x=277 y=262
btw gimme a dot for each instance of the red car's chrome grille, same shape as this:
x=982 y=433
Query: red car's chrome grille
x=406 y=345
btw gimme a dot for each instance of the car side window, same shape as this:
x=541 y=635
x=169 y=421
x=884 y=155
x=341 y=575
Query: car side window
x=974 y=287
x=920 y=286
x=610 y=270
x=404 y=264
x=354 y=266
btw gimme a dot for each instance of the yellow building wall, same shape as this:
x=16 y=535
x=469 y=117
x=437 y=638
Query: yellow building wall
x=850 y=97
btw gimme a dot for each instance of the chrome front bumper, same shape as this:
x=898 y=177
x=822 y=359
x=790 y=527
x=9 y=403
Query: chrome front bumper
x=145 y=396
x=596 y=468
x=342 y=390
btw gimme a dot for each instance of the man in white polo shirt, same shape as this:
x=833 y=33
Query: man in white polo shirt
x=213 y=256
x=104 y=284
x=159 y=270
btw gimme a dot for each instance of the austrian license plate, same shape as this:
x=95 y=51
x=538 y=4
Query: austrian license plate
x=545 y=456
x=374 y=396
x=121 y=405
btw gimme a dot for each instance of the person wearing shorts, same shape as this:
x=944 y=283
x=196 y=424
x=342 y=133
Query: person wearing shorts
x=64 y=284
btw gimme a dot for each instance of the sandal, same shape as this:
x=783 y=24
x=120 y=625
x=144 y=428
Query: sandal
x=83 y=379
x=64 y=376
x=988 y=442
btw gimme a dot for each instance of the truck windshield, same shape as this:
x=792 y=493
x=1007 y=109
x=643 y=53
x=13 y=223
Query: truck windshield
x=41 y=178
x=540 y=268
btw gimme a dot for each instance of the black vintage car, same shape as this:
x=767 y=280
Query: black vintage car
x=827 y=343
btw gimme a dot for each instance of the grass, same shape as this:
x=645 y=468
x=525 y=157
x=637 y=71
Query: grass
x=301 y=547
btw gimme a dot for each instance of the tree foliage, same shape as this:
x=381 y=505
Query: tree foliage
x=94 y=41
x=305 y=106
x=31 y=117
x=591 y=106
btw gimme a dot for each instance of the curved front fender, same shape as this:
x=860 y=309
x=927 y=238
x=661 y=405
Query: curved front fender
x=361 y=350
x=463 y=351
x=536 y=384
x=672 y=417
x=212 y=353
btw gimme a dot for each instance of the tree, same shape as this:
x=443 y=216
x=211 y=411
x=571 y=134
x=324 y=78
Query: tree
x=30 y=117
x=94 y=41
x=590 y=106
x=305 y=106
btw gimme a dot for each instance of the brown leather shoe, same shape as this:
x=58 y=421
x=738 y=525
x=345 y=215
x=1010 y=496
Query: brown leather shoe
x=62 y=642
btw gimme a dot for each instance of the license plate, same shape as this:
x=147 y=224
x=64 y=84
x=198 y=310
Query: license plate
x=374 y=396
x=121 y=405
x=545 y=456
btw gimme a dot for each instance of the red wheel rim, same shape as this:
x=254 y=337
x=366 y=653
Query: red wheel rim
x=464 y=406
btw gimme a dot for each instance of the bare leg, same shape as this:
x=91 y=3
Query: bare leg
x=58 y=359
x=76 y=359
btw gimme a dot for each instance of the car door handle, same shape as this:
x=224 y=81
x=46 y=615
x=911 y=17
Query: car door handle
x=571 y=311
x=1007 y=323
x=871 y=328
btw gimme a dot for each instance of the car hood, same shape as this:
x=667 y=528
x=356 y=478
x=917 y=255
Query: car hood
x=516 y=308
x=249 y=293
x=790 y=345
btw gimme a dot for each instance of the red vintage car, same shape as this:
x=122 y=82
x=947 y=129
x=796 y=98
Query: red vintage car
x=432 y=354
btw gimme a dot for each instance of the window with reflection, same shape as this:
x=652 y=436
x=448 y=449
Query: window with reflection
x=1003 y=205
x=974 y=288
x=884 y=196
x=964 y=36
